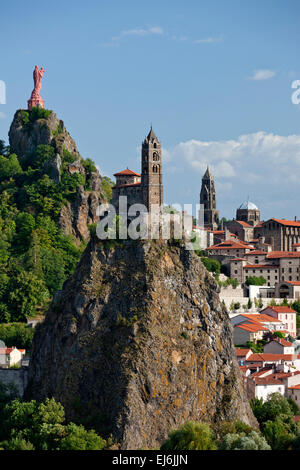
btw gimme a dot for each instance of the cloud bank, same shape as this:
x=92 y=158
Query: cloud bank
x=266 y=166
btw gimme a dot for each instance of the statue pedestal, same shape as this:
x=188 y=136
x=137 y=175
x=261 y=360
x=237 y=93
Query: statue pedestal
x=35 y=102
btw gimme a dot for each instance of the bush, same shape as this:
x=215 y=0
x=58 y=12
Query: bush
x=191 y=436
x=255 y=281
x=252 y=441
x=212 y=265
x=222 y=428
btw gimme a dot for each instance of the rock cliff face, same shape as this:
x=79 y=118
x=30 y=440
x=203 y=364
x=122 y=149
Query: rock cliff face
x=138 y=342
x=24 y=137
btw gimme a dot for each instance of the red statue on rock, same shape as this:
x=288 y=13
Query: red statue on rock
x=36 y=99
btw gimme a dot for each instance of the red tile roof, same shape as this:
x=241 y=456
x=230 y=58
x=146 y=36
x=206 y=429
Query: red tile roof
x=5 y=351
x=252 y=327
x=295 y=387
x=283 y=254
x=242 y=352
x=260 y=317
x=293 y=283
x=268 y=357
x=282 y=375
x=285 y=343
x=245 y=224
x=127 y=172
x=229 y=245
x=267 y=381
x=279 y=309
x=260 y=266
x=289 y=223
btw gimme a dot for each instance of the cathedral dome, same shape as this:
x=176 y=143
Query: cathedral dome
x=248 y=206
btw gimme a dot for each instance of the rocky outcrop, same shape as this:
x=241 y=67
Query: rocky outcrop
x=52 y=168
x=24 y=137
x=137 y=343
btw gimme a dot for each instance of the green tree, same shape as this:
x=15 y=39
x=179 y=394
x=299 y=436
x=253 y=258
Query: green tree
x=190 y=436
x=25 y=294
x=276 y=407
x=278 y=435
x=78 y=438
x=16 y=334
x=9 y=167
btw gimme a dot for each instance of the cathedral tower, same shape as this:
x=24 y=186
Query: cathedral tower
x=151 y=180
x=208 y=199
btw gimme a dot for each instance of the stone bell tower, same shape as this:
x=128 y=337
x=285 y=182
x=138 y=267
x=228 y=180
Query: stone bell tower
x=151 y=180
x=208 y=199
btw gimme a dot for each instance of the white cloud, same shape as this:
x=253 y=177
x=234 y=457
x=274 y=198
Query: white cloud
x=209 y=40
x=262 y=74
x=149 y=30
x=156 y=30
x=143 y=31
x=263 y=165
x=249 y=157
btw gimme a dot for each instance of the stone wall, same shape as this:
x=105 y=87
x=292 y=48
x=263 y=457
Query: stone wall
x=18 y=377
x=229 y=291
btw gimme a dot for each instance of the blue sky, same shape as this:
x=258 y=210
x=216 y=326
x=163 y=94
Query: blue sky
x=213 y=77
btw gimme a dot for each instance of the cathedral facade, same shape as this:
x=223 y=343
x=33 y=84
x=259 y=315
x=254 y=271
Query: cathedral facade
x=209 y=202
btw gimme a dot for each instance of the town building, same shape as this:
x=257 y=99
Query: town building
x=280 y=233
x=293 y=392
x=11 y=356
x=285 y=314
